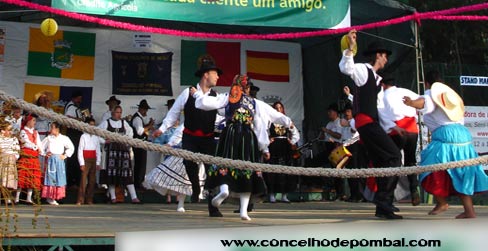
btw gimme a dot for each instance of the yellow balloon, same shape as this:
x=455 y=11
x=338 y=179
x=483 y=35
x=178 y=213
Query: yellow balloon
x=49 y=27
x=345 y=45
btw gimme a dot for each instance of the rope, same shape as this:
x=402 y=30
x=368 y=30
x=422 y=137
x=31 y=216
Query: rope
x=239 y=164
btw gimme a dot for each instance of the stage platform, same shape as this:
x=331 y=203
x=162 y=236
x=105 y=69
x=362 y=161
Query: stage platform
x=68 y=225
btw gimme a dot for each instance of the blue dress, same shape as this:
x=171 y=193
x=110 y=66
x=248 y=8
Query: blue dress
x=452 y=142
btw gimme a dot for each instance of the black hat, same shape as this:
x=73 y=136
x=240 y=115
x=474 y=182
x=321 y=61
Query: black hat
x=375 y=47
x=77 y=93
x=206 y=63
x=254 y=88
x=387 y=79
x=143 y=104
x=113 y=98
x=170 y=102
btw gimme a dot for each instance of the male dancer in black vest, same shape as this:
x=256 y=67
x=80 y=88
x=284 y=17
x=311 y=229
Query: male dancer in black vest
x=199 y=124
x=72 y=110
x=381 y=149
x=141 y=126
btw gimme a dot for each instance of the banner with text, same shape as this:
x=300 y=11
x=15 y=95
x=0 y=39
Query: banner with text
x=473 y=80
x=141 y=73
x=476 y=120
x=321 y=14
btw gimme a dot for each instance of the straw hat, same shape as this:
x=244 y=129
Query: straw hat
x=49 y=94
x=448 y=100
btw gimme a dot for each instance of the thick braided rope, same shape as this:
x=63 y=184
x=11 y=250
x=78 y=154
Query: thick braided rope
x=239 y=164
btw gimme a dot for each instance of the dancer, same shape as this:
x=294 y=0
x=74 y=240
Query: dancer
x=118 y=170
x=169 y=177
x=28 y=165
x=244 y=138
x=9 y=153
x=381 y=148
x=280 y=148
x=57 y=148
x=89 y=157
x=443 y=112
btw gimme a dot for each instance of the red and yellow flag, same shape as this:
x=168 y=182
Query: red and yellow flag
x=268 y=66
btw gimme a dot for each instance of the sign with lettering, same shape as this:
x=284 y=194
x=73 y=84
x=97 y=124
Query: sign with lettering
x=473 y=80
x=476 y=120
x=321 y=14
x=141 y=73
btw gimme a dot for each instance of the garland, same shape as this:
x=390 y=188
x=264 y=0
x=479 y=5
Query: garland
x=433 y=15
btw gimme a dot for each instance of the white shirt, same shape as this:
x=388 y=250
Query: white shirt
x=72 y=110
x=58 y=145
x=90 y=143
x=117 y=124
x=10 y=145
x=336 y=127
x=177 y=136
x=139 y=123
x=357 y=72
x=264 y=114
x=24 y=139
x=434 y=116
x=394 y=108
x=106 y=115
x=349 y=132
x=174 y=113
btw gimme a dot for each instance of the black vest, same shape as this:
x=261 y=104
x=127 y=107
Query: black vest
x=366 y=96
x=197 y=119
x=143 y=136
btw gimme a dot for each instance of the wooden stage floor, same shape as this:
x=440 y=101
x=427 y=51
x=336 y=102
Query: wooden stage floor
x=104 y=220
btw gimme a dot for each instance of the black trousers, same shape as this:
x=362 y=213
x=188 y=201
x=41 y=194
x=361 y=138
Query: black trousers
x=408 y=143
x=73 y=174
x=358 y=160
x=140 y=160
x=205 y=145
x=383 y=153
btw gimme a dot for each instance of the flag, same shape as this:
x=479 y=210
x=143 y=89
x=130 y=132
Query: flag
x=225 y=54
x=268 y=66
x=67 y=54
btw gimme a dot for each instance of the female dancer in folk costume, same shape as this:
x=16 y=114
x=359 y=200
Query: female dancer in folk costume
x=244 y=138
x=29 y=169
x=443 y=114
x=118 y=170
x=9 y=153
x=57 y=147
x=280 y=148
x=169 y=177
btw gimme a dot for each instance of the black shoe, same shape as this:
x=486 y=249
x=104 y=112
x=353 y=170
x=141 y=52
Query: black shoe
x=215 y=214
x=388 y=216
x=385 y=206
x=415 y=198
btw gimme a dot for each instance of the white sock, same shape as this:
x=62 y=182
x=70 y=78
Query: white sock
x=244 y=197
x=132 y=191
x=284 y=197
x=223 y=194
x=17 y=195
x=272 y=197
x=29 y=194
x=181 y=202
x=111 y=191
